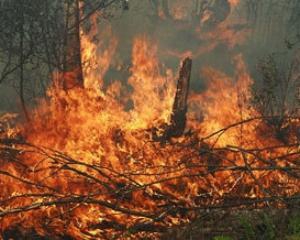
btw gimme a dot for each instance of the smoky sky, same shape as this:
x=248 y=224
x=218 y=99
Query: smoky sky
x=212 y=31
x=254 y=30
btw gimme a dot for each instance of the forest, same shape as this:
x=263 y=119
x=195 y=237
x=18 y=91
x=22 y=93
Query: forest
x=150 y=119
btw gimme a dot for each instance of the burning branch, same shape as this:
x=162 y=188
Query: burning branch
x=149 y=196
x=86 y=167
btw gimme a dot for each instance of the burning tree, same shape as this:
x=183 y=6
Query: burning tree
x=87 y=167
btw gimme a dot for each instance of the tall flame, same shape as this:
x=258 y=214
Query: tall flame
x=87 y=158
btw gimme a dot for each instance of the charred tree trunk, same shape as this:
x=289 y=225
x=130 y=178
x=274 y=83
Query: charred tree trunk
x=73 y=76
x=155 y=6
x=178 y=117
x=165 y=8
x=21 y=58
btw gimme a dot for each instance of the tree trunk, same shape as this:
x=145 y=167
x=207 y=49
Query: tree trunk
x=178 y=117
x=21 y=58
x=165 y=8
x=73 y=76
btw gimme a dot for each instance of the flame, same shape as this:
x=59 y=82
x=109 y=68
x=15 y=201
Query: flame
x=87 y=166
x=235 y=105
x=146 y=78
x=228 y=32
x=234 y=3
x=227 y=100
x=232 y=32
x=96 y=55
x=180 y=10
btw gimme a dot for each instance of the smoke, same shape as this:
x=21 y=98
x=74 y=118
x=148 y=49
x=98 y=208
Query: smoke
x=212 y=32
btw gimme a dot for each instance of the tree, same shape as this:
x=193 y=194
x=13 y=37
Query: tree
x=38 y=38
x=72 y=59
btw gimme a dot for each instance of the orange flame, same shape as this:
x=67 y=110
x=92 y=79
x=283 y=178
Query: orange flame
x=88 y=158
x=234 y=3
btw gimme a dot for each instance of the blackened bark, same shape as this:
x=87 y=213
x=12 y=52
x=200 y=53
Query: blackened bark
x=73 y=76
x=165 y=8
x=178 y=117
x=21 y=59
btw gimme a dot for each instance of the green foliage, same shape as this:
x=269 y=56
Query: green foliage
x=265 y=95
x=293 y=237
x=269 y=233
x=274 y=94
x=222 y=238
x=294 y=225
x=248 y=232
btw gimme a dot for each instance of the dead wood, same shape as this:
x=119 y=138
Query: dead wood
x=180 y=106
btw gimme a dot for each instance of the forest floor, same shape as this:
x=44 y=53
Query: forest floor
x=266 y=224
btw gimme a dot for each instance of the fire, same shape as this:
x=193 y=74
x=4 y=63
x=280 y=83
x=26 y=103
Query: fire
x=227 y=33
x=147 y=78
x=234 y=3
x=87 y=165
x=230 y=32
x=96 y=55
x=234 y=107
x=181 y=10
